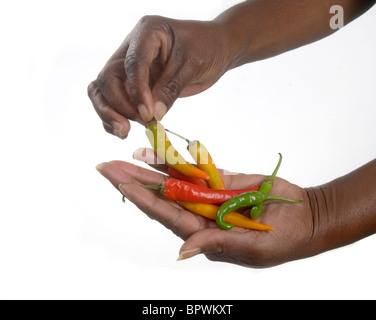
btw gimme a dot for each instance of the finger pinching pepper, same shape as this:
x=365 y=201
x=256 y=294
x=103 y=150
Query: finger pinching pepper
x=248 y=199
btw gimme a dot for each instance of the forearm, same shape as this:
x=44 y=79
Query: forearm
x=259 y=29
x=344 y=210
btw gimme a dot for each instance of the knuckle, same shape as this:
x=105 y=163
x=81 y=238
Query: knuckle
x=145 y=20
x=131 y=62
x=176 y=225
x=150 y=25
x=148 y=20
x=101 y=80
x=218 y=252
x=172 y=89
x=91 y=89
x=103 y=109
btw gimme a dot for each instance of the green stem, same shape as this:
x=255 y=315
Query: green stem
x=281 y=199
x=277 y=167
x=153 y=186
x=178 y=135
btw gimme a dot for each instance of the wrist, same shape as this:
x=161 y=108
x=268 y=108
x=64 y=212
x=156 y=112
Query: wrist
x=236 y=35
x=344 y=210
x=322 y=200
x=251 y=32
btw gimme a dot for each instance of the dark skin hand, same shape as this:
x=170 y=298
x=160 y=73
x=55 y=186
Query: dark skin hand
x=153 y=67
x=329 y=217
x=245 y=247
x=163 y=59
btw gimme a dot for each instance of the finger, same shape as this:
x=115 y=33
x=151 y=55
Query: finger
x=234 y=246
x=113 y=122
x=240 y=180
x=203 y=241
x=113 y=173
x=149 y=157
x=130 y=177
x=151 y=41
x=119 y=172
x=178 y=220
x=138 y=84
x=112 y=85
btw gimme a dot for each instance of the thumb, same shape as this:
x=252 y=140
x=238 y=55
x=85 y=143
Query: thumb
x=204 y=241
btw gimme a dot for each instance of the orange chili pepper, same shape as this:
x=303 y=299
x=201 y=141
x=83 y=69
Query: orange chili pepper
x=178 y=175
x=162 y=146
x=210 y=211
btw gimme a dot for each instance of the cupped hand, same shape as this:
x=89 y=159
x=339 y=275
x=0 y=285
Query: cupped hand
x=160 y=60
x=293 y=223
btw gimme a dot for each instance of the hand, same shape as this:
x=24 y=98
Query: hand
x=160 y=60
x=293 y=223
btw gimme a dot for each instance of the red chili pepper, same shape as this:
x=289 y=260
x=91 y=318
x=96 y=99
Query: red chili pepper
x=181 y=176
x=179 y=190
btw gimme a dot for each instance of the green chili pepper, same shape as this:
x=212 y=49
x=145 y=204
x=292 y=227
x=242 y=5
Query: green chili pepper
x=265 y=188
x=247 y=199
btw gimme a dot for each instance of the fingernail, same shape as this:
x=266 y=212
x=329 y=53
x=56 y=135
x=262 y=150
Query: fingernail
x=186 y=254
x=99 y=168
x=118 y=130
x=144 y=155
x=123 y=189
x=160 y=110
x=144 y=113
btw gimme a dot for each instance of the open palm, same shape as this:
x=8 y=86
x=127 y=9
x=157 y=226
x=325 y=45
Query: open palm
x=293 y=223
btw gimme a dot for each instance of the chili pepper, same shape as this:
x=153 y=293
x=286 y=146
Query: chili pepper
x=179 y=190
x=164 y=149
x=265 y=188
x=247 y=199
x=204 y=161
x=210 y=211
x=178 y=175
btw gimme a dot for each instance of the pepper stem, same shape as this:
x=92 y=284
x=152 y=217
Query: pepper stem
x=270 y=180
x=178 y=135
x=157 y=187
x=277 y=167
x=282 y=199
x=153 y=186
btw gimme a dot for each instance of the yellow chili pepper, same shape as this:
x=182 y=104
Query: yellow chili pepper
x=205 y=162
x=162 y=146
x=210 y=211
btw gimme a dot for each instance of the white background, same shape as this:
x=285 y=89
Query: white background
x=64 y=232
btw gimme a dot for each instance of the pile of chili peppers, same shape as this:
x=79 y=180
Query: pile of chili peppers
x=201 y=189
